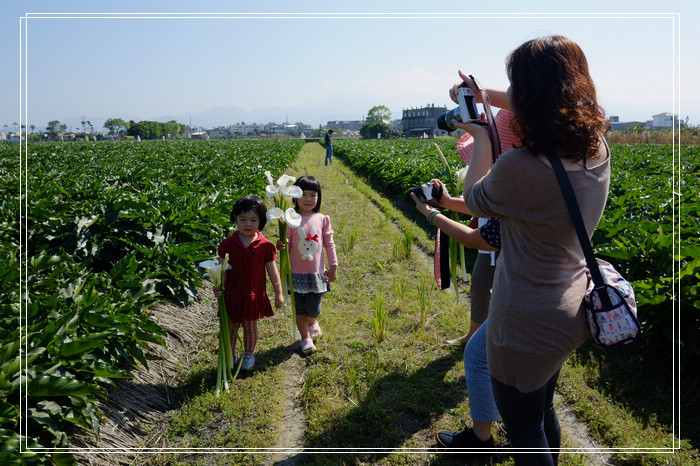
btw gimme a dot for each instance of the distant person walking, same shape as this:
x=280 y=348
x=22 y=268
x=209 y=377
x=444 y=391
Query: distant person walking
x=329 y=147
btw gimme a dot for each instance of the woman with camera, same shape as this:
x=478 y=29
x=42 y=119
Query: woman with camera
x=536 y=316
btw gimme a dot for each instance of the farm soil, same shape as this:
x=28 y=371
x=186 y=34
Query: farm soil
x=135 y=411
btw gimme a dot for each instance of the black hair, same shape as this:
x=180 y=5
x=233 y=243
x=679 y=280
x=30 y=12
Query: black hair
x=309 y=183
x=249 y=203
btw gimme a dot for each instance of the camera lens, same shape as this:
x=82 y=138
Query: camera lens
x=444 y=121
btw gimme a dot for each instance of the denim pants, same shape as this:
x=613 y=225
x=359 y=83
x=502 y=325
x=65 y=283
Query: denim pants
x=531 y=422
x=329 y=155
x=482 y=405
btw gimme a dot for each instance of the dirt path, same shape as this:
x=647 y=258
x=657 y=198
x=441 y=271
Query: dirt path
x=293 y=421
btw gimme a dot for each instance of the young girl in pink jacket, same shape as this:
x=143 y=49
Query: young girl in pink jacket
x=311 y=278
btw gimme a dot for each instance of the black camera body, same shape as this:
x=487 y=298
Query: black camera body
x=428 y=193
x=465 y=112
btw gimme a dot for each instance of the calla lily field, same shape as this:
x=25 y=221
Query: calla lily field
x=106 y=230
x=95 y=234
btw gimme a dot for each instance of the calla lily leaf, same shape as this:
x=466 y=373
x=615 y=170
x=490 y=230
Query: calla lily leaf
x=292 y=218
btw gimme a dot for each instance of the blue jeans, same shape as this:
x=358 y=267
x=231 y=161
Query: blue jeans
x=482 y=405
x=531 y=422
x=329 y=155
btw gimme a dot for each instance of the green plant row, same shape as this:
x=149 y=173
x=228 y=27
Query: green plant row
x=107 y=230
x=398 y=165
x=649 y=231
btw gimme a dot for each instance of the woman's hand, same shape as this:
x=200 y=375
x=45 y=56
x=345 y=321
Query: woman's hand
x=469 y=82
x=445 y=193
x=423 y=208
x=279 y=300
x=280 y=245
x=478 y=130
x=217 y=292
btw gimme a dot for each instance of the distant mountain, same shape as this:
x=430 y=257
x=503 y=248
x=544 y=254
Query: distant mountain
x=314 y=113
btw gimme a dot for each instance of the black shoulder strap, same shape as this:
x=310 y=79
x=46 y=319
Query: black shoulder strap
x=570 y=198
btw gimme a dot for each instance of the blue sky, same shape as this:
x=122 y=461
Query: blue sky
x=323 y=60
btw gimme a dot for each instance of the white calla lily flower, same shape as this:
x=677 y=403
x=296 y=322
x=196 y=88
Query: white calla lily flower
x=275 y=213
x=462 y=175
x=271 y=190
x=213 y=269
x=292 y=191
x=292 y=218
x=268 y=175
x=284 y=180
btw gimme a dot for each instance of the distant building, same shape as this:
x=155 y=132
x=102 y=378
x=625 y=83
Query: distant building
x=618 y=125
x=243 y=128
x=345 y=125
x=420 y=122
x=664 y=121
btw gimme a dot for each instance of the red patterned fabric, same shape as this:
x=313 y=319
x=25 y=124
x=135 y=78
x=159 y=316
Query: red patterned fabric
x=466 y=141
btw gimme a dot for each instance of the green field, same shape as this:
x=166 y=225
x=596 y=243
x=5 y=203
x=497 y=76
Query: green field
x=106 y=230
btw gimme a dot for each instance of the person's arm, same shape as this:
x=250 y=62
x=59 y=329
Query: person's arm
x=274 y=275
x=469 y=237
x=482 y=158
x=329 y=247
x=448 y=201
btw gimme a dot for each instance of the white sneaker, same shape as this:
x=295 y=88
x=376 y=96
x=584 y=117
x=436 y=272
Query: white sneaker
x=307 y=346
x=248 y=362
x=315 y=330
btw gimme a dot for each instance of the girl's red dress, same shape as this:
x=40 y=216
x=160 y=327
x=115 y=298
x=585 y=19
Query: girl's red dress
x=246 y=283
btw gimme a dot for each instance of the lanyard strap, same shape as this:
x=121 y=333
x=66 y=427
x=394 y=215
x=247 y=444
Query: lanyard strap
x=493 y=132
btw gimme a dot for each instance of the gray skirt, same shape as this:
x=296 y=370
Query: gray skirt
x=309 y=283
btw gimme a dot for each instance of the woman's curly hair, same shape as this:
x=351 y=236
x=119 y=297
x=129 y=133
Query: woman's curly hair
x=553 y=99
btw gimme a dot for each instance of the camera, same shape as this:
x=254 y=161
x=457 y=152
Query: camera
x=428 y=193
x=467 y=108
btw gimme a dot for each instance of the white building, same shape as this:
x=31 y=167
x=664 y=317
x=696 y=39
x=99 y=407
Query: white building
x=664 y=120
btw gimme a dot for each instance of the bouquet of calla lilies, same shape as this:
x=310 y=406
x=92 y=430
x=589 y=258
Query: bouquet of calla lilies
x=216 y=273
x=454 y=182
x=281 y=194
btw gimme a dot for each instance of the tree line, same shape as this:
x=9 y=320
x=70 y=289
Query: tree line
x=117 y=127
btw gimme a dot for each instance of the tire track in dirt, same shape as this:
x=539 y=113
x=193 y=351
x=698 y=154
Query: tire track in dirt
x=292 y=424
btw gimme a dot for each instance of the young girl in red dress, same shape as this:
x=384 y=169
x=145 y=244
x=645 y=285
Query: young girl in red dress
x=250 y=255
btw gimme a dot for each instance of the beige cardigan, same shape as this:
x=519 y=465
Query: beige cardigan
x=536 y=317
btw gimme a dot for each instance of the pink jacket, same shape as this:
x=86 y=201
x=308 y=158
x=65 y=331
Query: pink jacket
x=307 y=242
